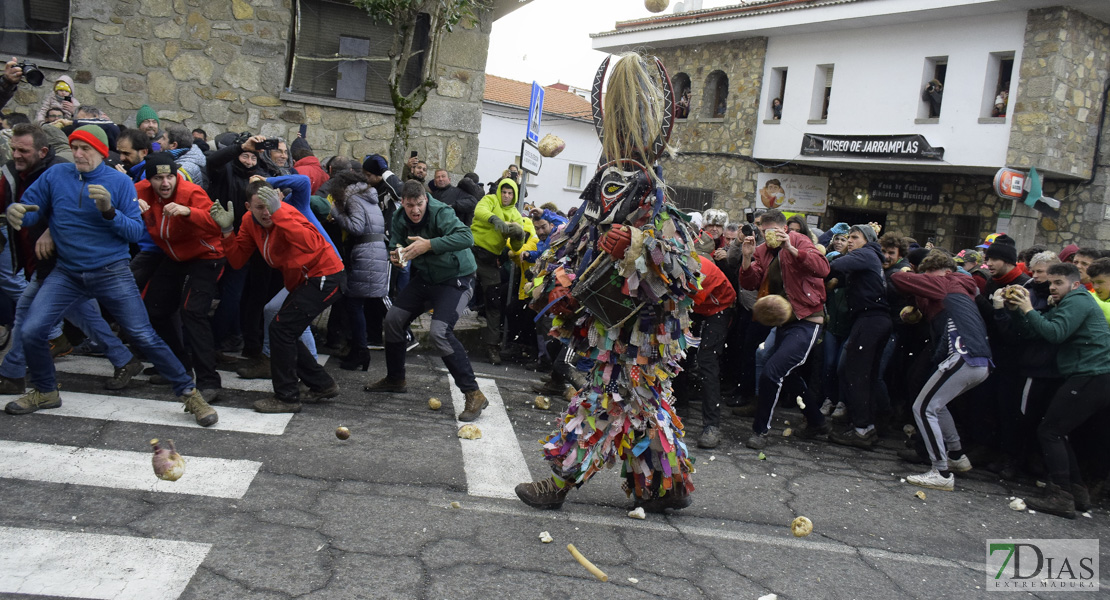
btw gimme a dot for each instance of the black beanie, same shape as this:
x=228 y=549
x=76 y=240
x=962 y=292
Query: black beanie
x=375 y=164
x=160 y=162
x=1004 y=249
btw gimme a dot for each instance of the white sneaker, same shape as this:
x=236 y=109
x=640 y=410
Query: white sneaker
x=961 y=464
x=826 y=407
x=840 y=411
x=933 y=480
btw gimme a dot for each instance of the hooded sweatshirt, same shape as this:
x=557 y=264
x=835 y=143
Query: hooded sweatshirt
x=85 y=240
x=1079 y=329
x=486 y=235
x=862 y=270
x=948 y=302
x=292 y=245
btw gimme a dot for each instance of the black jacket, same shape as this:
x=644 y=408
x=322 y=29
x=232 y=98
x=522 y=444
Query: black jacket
x=228 y=179
x=22 y=242
x=862 y=271
x=456 y=198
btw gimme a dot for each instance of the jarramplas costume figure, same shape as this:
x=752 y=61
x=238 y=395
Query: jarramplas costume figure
x=620 y=281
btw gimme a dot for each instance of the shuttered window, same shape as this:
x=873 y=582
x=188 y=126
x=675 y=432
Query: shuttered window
x=35 y=29
x=326 y=31
x=692 y=199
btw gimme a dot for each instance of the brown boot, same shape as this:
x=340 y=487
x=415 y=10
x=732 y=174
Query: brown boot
x=475 y=402
x=257 y=369
x=1055 y=501
x=543 y=494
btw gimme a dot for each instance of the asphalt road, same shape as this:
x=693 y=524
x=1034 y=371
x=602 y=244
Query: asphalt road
x=281 y=508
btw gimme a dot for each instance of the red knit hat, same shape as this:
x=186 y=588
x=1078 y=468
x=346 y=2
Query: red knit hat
x=94 y=136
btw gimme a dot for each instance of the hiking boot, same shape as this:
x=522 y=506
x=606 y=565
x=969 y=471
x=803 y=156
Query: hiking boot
x=32 y=401
x=932 y=479
x=1082 y=497
x=88 y=348
x=158 y=379
x=12 y=385
x=321 y=395
x=258 y=369
x=60 y=346
x=673 y=499
x=543 y=494
x=122 y=376
x=211 y=394
x=385 y=384
x=809 y=431
x=851 y=437
x=710 y=437
x=961 y=464
x=194 y=403
x=233 y=343
x=827 y=407
x=550 y=388
x=758 y=441
x=840 y=413
x=1055 y=501
x=745 y=410
x=912 y=455
x=493 y=353
x=475 y=402
x=273 y=405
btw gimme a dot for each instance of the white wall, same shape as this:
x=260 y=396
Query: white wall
x=878 y=78
x=499 y=145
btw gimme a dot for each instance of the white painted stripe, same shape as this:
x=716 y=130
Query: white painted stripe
x=218 y=477
x=494 y=463
x=155 y=412
x=99 y=366
x=43 y=562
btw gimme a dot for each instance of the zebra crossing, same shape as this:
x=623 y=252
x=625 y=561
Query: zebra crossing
x=68 y=562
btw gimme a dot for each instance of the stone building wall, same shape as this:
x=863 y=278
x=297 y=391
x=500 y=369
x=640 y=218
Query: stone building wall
x=221 y=65
x=1065 y=65
x=742 y=61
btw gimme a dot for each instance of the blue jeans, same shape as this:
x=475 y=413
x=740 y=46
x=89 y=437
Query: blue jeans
x=84 y=315
x=271 y=311
x=113 y=286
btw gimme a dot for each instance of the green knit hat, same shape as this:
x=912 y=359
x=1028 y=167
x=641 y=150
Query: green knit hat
x=146 y=112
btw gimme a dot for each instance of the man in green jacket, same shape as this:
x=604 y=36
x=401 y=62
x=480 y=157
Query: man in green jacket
x=428 y=234
x=1077 y=327
x=496 y=222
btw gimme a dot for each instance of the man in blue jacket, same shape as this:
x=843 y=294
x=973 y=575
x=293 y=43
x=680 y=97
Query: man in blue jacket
x=93 y=215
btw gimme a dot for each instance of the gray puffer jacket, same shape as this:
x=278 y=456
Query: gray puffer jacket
x=194 y=163
x=356 y=210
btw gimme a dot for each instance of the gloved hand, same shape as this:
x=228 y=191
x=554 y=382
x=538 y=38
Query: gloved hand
x=224 y=217
x=102 y=197
x=616 y=241
x=515 y=232
x=15 y=214
x=997 y=299
x=271 y=197
x=501 y=226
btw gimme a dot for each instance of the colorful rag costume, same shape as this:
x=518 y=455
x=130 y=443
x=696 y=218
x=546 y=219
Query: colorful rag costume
x=624 y=316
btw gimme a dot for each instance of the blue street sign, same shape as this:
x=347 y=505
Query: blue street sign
x=535 y=111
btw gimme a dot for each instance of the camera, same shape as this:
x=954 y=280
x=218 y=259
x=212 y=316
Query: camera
x=748 y=230
x=269 y=144
x=32 y=74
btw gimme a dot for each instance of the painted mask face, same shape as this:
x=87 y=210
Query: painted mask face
x=617 y=190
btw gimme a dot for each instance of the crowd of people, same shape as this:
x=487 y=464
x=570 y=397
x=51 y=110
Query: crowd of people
x=154 y=243
x=992 y=352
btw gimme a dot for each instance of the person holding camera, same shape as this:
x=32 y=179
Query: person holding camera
x=13 y=74
x=61 y=98
x=932 y=96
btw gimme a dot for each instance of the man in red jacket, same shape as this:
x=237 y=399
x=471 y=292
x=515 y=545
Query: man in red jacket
x=713 y=311
x=175 y=213
x=313 y=274
x=787 y=264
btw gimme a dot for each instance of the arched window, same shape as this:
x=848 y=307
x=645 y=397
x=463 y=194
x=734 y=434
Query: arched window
x=681 y=83
x=715 y=100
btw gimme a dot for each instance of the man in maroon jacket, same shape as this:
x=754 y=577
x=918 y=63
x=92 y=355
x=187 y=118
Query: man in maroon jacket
x=788 y=264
